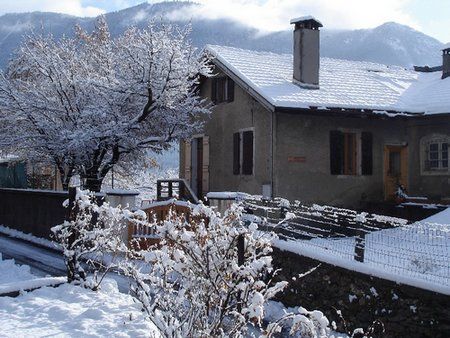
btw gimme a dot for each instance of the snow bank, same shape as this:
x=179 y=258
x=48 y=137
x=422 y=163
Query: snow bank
x=30 y=284
x=72 y=311
x=30 y=238
x=12 y=273
x=442 y=217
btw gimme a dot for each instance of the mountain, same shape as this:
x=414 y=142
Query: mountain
x=390 y=43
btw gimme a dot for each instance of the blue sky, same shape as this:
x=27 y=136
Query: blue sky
x=429 y=16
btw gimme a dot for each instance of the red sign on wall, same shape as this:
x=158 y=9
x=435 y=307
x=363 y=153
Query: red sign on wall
x=297 y=159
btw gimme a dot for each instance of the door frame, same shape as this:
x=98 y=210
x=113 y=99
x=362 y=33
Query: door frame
x=403 y=148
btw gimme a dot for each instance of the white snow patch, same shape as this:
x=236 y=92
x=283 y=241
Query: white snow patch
x=73 y=311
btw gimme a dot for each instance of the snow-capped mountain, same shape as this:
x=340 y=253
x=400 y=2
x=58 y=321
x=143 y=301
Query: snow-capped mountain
x=390 y=43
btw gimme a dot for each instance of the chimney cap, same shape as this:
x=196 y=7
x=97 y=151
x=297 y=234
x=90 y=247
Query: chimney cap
x=307 y=20
x=446 y=46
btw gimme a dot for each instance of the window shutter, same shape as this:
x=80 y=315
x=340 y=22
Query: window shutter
x=247 y=152
x=205 y=168
x=187 y=161
x=230 y=90
x=366 y=150
x=336 y=152
x=236 y=153
x=214 y=90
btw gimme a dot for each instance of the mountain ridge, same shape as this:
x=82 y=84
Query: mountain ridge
x=389 y=43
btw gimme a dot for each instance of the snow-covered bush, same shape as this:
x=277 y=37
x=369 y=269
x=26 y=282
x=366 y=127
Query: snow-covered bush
x=94 y=235
x=197 y=283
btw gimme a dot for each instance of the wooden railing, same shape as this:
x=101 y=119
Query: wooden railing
x=175 y=188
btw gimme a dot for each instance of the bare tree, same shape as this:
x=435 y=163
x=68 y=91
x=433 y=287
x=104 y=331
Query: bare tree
x=85 y=103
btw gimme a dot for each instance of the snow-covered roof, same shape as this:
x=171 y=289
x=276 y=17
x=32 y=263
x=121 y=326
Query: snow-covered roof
x=343 y=84
x=305 y=18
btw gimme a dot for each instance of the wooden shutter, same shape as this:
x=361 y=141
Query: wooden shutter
x=230 y=90
x=336 y=152
x=236 y=153
x=214 y=90
x=367 y=153
x=187 y=161
x=247 y=152
x=205 y=167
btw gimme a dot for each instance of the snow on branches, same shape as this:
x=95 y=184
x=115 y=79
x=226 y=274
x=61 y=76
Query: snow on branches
x=208 y=275
x=88 y=102
x=196 y=285
x=93 y=235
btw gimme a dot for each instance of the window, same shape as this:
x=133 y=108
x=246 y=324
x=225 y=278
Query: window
x=344 y=153
x=222 y=90
x=243 y=152
x=437 y=156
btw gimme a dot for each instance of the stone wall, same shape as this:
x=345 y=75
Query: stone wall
x=405 y=311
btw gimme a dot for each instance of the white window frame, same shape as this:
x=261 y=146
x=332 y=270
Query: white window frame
x=426 y=142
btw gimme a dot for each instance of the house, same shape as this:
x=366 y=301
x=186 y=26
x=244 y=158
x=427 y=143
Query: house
x=318 y=129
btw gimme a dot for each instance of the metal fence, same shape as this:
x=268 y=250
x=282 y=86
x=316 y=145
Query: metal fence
x=388 y=247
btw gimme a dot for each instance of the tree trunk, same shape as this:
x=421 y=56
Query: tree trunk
x=93 y=183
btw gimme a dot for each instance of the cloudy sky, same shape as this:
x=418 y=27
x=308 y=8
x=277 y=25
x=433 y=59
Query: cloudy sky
x=429 y=16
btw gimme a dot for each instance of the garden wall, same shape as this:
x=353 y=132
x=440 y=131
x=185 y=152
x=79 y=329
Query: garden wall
x=405 y=311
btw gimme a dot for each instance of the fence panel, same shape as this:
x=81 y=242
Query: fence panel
x=32 y=211
x=344 y=237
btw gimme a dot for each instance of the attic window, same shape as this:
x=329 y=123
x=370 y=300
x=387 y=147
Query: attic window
x=222 y=90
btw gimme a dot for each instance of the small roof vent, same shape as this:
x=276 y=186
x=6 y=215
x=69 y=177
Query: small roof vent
x=446 y=61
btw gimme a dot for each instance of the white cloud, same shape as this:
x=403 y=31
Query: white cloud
x=72 y=7
x=270 y=15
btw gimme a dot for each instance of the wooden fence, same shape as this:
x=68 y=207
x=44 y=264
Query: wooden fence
x=143 y=236
x=32 y=211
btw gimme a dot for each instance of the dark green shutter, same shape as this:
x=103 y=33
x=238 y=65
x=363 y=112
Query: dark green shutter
x=367 y=153
x=236 y=153
x=336 y=152
x=214 y=90
x=230 y=90
x=247 y=152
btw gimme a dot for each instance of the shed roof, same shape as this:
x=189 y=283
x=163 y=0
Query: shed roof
x=343 y=84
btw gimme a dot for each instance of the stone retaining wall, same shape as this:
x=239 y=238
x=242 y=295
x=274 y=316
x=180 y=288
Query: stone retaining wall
x=405 y=311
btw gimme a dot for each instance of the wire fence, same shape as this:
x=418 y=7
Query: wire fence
x=391 y=246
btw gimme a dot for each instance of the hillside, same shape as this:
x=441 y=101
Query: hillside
x=390 y=43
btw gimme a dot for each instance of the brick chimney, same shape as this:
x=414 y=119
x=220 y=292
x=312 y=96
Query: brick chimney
x=446 y=61
x=306 y=51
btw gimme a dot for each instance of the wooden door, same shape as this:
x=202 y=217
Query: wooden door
x=395 y=170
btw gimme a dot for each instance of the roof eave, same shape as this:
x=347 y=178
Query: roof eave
x=346 y=112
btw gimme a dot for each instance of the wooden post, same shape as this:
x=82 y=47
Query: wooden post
x=158 y=190
x=360 y=243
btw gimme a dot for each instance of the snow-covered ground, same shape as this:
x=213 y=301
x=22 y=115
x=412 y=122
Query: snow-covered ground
x=416 y=254
x=69 y=310
x=11 y=272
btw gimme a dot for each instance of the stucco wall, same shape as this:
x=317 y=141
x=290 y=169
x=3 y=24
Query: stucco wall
x=226 y=119
x=311 y=181
x=437 y=184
